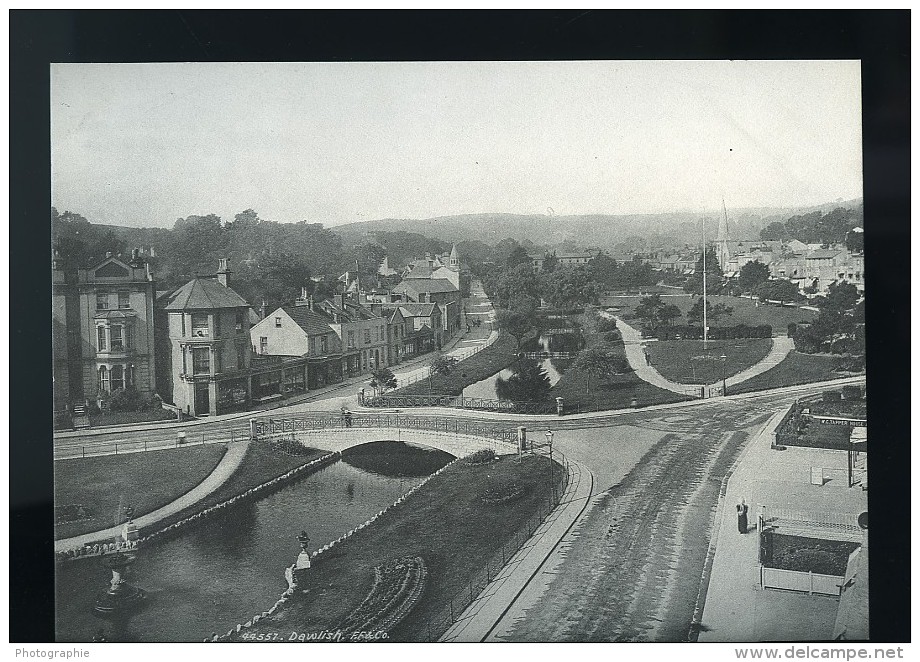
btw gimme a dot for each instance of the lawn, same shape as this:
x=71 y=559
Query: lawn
x=614 y=393
x=796 y=368
x=146 y=481
x=260 y=464
x=679 y=360
x=745 y=311
x=485 y=363
x=447 y=522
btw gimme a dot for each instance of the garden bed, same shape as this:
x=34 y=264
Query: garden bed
x=261 y=464
x=90 y=492
x=444 y=522
x=129 y=417
x=823 y=557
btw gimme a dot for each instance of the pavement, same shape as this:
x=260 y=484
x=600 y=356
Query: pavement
x=480 y=619
x=736 y=608
x=221 y=473
x=634 y=345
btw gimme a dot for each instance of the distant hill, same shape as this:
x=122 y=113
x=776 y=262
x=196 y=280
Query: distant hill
x=602 y=230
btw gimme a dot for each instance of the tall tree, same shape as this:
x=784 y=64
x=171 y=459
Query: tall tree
x=527 y=383
x=781 y=290
x=568 y=287
x=752 y=275
x=840 y=297
x=516 y=322
x=383 y=380
x=441 y=365
x=776 y=231
x=713 y=312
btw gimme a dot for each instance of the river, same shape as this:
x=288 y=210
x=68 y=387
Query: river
x=230 y=567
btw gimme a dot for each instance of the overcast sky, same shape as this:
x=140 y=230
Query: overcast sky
x=145 y=144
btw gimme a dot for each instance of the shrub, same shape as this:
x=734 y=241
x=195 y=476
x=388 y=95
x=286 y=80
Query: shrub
x=831 y=396
x=791 y=329
x=126 y=400
x=613 y=336
x=856 y=363
x=485 y=456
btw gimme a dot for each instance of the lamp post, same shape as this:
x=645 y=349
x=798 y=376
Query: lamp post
x=552 y=473
x=724 y=358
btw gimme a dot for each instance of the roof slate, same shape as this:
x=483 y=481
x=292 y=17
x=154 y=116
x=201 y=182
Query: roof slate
x=204 y=294
x=310 y=321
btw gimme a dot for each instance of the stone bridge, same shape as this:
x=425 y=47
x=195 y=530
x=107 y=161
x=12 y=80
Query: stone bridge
x=456 y=444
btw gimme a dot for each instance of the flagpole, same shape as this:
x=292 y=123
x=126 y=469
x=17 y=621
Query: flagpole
x=705 y=324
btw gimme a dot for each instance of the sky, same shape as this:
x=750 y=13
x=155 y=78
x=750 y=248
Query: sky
x=144 y=144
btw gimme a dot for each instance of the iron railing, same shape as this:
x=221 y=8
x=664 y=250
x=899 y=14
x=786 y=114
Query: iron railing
x=458 y=402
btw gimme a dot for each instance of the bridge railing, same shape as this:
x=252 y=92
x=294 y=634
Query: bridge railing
x=458 y=402
x=269 y=427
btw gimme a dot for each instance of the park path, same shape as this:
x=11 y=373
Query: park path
x=228 y=464
x=634 y=345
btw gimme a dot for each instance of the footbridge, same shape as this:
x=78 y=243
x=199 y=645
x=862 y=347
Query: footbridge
x=456 y=437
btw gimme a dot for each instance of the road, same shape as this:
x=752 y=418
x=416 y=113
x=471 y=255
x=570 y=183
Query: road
x=633 y=567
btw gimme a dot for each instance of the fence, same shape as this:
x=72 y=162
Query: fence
x=459 y=402
x=804 y=582
x=438 y=621
x=192 y=438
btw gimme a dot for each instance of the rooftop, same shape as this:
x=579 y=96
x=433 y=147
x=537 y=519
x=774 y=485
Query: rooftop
x=203 y=294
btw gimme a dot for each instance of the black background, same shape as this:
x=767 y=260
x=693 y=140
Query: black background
x=881 y=39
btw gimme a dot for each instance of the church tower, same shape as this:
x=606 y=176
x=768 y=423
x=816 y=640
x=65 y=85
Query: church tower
x=454 y=258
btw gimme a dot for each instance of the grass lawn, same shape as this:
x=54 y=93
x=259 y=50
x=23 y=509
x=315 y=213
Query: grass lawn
x=674 y=358
x=796 y=368
x=495 y=357
x=745 y=311
x=446 y=522
x=146 y=481
x=260 y=465
x=615 y=393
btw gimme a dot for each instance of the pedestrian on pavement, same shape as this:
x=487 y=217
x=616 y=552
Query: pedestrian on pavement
x=347 y=418
x=742 y=517
x=648 y=359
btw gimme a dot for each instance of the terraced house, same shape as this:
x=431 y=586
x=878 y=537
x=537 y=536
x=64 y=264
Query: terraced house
x=362 y=333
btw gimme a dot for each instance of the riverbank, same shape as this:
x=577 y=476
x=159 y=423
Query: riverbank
x=458 y=520
x=91 y=493
x=481 y=365
x=261 y=464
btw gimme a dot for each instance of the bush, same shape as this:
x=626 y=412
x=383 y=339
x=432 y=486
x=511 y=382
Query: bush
x=831 y=396
x=856 y=363
x=613 y=336
x=485 y=456
x=791 y=329
x=852 y=392
x=688 y=332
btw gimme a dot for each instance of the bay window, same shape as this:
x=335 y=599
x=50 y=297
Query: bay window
x=201 y=360
x=200 y=325
x=101 y=343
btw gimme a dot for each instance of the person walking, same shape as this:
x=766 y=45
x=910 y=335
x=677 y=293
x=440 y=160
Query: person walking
x=742 y=516
x=347 y=418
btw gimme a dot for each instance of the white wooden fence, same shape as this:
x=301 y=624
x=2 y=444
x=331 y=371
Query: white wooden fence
x=804 y=582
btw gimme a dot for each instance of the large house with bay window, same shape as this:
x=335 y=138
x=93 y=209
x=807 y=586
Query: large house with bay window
x=205 y=356
x=103 y=331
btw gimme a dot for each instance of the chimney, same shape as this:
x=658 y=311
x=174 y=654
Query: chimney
x=108 y=254
x=303 y=293
x=223 y=271
x=342 y=300
x=263 y=312
x=153 y=252
x=310 y=302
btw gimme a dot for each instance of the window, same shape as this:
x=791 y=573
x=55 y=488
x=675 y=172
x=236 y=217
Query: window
x=184 y=361
x=103 y=379
x=102 y=301
x=241 y=355
x=129 y=376
x=367 y=336
x=217 y=325
x=182 y=317
x=201 y=360
x=118 y=378
x=263 y=345
x=217 y=361
x=351 y=339
x=117 y=342
x=100 y=338
x=239 y=321
x=376 y=334
x=277 y=322
x=363 y=360
x=322 y=344
x=200 y=325
x=124 y=300
x=129 y=337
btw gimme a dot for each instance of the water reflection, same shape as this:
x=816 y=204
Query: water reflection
x=223 y=571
